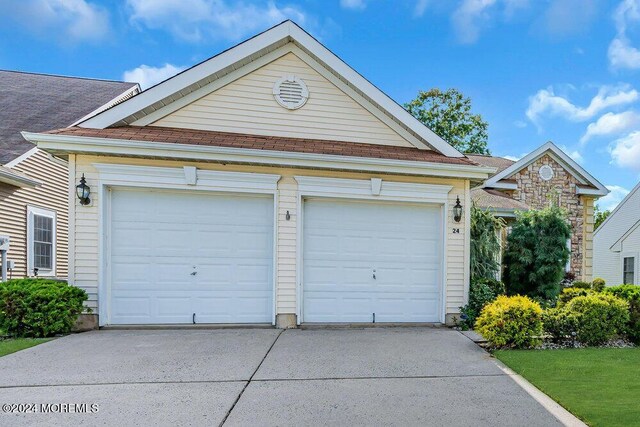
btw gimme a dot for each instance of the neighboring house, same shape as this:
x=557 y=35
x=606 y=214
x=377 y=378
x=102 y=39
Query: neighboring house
x=616 y=243
x=546 y=175
x=34 y=186
x=271 y=183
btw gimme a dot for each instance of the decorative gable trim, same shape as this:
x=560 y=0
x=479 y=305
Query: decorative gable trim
x=243 y=54
x=549 y=148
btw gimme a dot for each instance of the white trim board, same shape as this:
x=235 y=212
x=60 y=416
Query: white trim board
x=22 y=157
x=202 y=74
x=65 y=144
x=559 y=156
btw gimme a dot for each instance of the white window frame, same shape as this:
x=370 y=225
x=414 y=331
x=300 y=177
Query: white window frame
x=567 y=267
x=31 y=211
x=633 y=255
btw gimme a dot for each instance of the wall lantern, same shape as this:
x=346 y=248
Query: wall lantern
x=457 y=210
x=83 y=191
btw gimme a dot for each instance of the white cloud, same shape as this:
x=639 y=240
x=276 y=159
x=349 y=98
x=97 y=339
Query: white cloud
x=469 y=18
x=546 y=102
x=520 y=124
x=148 y=76
x=197 y=20
x=421 y=7
x=625 y=151
x=568 y=17
x=621 y=52
x=64 y=20
x=613 y=199
x=574 y=154
x=611 y=124
x=353 y=4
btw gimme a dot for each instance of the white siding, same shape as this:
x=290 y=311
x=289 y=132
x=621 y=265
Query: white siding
x=607 y=263
x=247 y=105
x=86 y=226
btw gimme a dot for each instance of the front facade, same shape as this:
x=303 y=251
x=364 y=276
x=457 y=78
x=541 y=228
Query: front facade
x=33 y=184
x=546 y=176
x=616 y=243
x=269 y=184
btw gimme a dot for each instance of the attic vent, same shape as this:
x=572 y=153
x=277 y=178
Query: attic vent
x=290 y=92
x=546 y=173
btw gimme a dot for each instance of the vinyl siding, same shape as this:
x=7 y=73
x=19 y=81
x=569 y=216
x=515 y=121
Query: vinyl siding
x=247 y=105
x=86 y=264
x=607 y=264
x=51 y=195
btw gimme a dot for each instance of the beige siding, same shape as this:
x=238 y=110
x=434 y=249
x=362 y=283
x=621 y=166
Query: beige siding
x=87 y=242
x=247 y=105
x=52 y=195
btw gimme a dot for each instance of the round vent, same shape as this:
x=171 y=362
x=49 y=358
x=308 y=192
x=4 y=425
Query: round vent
x=290 y=92
x=546 y=173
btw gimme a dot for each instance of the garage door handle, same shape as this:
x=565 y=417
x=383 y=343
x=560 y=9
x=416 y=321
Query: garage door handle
x=193 y=273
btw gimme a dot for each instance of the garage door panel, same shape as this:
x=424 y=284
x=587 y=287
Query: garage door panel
x=402 y=244
x=217 y=264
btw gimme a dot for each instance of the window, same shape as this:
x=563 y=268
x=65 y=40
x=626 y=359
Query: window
x=628 y=270
x=41 y=244
x=567 y=268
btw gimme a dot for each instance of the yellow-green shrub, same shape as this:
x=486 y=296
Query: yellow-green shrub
x=598 y=284
x=568 y=294
x=600 y=317
x=511 y=322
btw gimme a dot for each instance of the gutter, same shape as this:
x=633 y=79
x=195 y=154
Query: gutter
x=66 y=144
x=18 y=179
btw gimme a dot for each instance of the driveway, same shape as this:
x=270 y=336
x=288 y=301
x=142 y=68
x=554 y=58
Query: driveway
x=378 y=376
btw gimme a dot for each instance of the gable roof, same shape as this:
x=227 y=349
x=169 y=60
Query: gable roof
x=618 y=208
x=500 y=163
x=39 y=102
x=589 y=185
x=195 y=81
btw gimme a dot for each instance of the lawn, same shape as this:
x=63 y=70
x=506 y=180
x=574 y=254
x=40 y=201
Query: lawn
x=11 y=345
x=600 y=386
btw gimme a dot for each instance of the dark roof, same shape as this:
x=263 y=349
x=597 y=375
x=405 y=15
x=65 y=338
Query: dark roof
x=488 y=198
x=39 y=102
x=495 y=162
x=258 y=142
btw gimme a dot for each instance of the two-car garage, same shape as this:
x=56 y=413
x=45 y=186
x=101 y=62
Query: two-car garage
x=180 y=257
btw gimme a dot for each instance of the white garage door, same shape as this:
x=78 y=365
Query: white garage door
x=363 y=258
x=179 y=254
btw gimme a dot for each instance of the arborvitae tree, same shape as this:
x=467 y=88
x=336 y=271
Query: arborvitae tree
x=537 y=253
x=485 y=243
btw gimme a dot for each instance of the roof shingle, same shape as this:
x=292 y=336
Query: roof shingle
x=39 y=102
x=260 y=142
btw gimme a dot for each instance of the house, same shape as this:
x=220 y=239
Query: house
x=546 y=175
x=33 y=184
x=616 y=243
x=273 y=184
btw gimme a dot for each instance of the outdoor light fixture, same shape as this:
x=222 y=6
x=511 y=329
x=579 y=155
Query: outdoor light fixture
x=457 y=210
x=83 y=191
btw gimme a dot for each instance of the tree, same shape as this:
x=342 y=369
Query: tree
x=537 y=253
x=449 y=115
x=485 y=243
x=600 y=216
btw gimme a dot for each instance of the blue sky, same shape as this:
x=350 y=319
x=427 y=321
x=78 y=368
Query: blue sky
x=537 y=70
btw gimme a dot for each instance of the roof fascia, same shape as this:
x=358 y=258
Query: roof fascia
x=67 y=144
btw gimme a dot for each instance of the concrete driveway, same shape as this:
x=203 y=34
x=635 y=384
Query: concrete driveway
x=390 y=376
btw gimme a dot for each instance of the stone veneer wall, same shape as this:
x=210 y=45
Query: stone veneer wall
x=538 y=194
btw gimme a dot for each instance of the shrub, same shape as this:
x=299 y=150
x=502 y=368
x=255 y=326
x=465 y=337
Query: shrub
x=598 y=284
x=568 y=294
x=631 y=294
x=536 y=253
x=581 y=285
x=39 y=307
x=481 y=292
x=485 y=243
x=559 y=323
x=511 y=322
x=600 y=317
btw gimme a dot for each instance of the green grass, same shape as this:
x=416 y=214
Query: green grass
x=601 y=386
x=12 y=345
